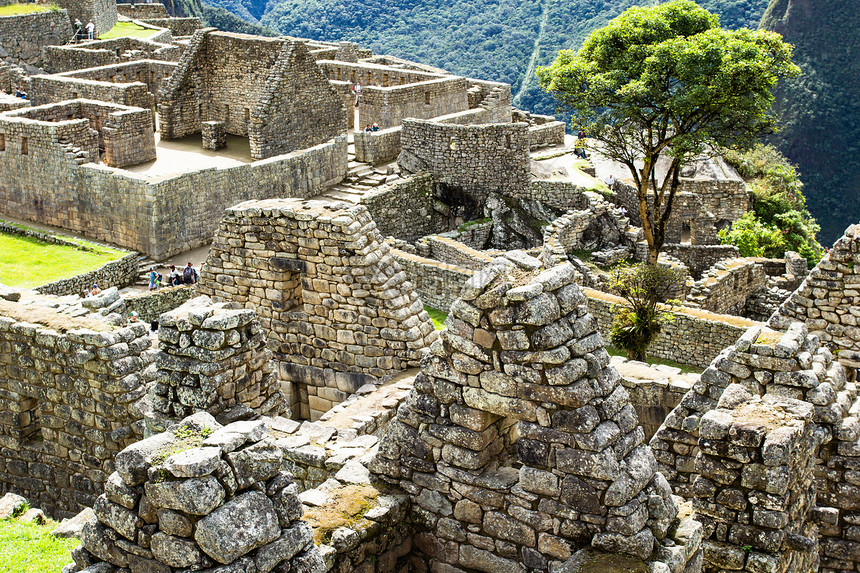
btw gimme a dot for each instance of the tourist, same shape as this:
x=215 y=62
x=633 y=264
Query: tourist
x=356 y=91
x=375 y=127
x=189 y=274
x=153 y=279
x=133 y=317
x=581 y=135
x=368 y=128
x=610 y=181
x=91 y=28
x=79 y=31
x=174 y=279
x=95 y=290
x=580 y=152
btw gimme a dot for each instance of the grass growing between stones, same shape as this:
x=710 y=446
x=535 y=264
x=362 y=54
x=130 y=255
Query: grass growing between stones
x=188 y=438
x=27 y=262
x=127 y=30
x=30 y=548
x=21 y=9
x=685 y=368
x=437 y=316
x=346 y=508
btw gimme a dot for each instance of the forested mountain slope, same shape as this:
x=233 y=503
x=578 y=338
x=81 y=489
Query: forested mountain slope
x=490 y=39
x=821 y=108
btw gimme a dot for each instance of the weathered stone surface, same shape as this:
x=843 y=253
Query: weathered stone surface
x=238 y=527
x=197 y=496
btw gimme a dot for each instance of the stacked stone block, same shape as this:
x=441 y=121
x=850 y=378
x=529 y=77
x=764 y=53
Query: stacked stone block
x=22 y=37
x=106 y=52
x=756 y=489
x=336 y=308
x=214 y=134
x=726 y=287
x=70 y=402
x=518 y=444
x=212 y=358
x=828 y=301
x=197 y=497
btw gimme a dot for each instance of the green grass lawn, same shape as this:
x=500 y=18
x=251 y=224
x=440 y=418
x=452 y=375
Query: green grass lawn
x=127 y=30
x=685 y=368
x=30 y=548
x=20 y=9
x=27 y=262
x=437 y=316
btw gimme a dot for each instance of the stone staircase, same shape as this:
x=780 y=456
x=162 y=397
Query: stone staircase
x=360 y=178
x=144 y=263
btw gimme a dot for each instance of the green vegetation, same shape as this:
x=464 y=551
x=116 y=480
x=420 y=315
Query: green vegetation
x=685 y=368
x=668 y=83
x=21 y=9
x=215 y=16
x=821 y=129
x=437 y=316
x=30 y=547
x=188 y=438
x=27 y=262
x=127 y=30
x=345 y=509
x=779 y=220
x=644 y=286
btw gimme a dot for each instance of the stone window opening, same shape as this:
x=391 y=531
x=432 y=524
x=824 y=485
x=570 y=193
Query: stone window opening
x=687 y=233
x=75 y=95
x=385 y=80
x=247 y=115
x=2 y=142
x=508 y=140
x=426 y=98
x=226 y=113
x=25 y=146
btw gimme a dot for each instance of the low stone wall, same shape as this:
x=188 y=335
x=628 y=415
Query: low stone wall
x=177 y=26
x=438 y=284
x=653 y=400
x=105 y=52
x=70 y=403
x=726 y=287
x=699 y=258
x=405 y=209
x=377 y=146
x=449 y=251
x=556 y=194
x=138 y=11
x=151 y=304
x=23 y=37
x=694 y=338
x=118 y=274
x=550 y=133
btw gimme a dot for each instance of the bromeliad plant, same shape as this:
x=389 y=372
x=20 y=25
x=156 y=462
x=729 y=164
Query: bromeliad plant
x=645 y=287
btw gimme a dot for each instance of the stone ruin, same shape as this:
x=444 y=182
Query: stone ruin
x=827 y=301
x=213 y=359
x=519 y=446
x=336 y=308
x=197 y=497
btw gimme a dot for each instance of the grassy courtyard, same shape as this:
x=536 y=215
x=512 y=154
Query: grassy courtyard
x=30 y=548
x=21 y=9
x=26 y=262
x=127 y=30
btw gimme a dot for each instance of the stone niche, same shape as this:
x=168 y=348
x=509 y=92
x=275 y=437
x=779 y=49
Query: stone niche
x=519 y=446
x=336 y=307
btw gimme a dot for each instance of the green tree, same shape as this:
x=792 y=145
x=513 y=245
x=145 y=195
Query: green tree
x=644 y=286
x=667 y=83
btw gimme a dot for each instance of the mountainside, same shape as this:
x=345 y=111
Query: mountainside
x=500 y=40
x=821 y=121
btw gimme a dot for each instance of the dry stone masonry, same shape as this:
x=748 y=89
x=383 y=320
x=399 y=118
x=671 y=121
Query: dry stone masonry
x=211 y=359
x=199 y=496
x=519 y=445
x=336 y=308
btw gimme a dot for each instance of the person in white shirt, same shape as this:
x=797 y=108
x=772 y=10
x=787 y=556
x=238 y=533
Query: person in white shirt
x=90 y=29
x=609 y=180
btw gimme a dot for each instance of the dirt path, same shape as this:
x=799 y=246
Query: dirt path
x=530 y=70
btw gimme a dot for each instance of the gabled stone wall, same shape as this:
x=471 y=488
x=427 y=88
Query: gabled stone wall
x=336 y=307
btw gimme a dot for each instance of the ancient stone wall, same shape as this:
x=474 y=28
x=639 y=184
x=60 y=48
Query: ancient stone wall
x=828 y=300
x=149 y=305
x=726 y=287
x=405 y=209
x=212 y=358
x=179 y=27
x=70 y=403
x=387 y=107
x=267 y=89
x=137 y=11
x=203 y=495
x=695 y=337
x=437 y=284
x=52 y=89
x=518 y=445
x=118 y=273
x=371 y=74
x=159 y=218
x=550 y=133
x=335 y=306
x=699 y=258
x=150 y=72
x=653 y=399
x=22 y=37
x=102 y=13
x=452 y=252
x=376 y=147
x=690 y=221
x=726 y=199
x=476 y=159
x=557 y=194
x=105 y=52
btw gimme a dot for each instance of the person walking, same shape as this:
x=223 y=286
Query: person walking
x=91 y=28
x=189 y=274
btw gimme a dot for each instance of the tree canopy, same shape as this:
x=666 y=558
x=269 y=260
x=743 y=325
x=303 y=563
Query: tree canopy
x=668 y=82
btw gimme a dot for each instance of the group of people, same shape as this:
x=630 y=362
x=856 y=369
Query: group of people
x=188 y=276
x=373 y=127
x=80 y=30
x=581 y=142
